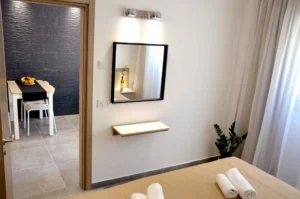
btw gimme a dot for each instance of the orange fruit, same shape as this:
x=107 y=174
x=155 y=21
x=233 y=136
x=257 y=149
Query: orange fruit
x=30 y=81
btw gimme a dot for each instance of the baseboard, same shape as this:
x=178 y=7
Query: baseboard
x=117 y=181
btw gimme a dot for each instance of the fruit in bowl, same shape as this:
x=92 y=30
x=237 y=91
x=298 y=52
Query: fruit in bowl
x=28 y=80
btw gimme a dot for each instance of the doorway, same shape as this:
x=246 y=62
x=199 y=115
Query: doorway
x=40 y=154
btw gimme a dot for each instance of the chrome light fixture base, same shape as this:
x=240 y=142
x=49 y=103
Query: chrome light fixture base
x=141 y=14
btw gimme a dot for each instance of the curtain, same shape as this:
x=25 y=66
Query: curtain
x=153 y=71
x=289 y=165
x=147 y=73
x=281 y=95
x=137 y=73
x=270 y=17
x=259 y=34
x=274 y=120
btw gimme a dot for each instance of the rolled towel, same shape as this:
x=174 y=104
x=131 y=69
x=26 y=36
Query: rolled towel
x=138 y=196
x=246 y=191
x=226 y=187
x=155 y=191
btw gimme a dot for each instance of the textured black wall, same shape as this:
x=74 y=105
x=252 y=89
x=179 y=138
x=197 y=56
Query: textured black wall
x=43 y=41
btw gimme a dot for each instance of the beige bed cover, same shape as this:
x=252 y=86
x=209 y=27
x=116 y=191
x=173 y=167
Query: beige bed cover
x=199 y=182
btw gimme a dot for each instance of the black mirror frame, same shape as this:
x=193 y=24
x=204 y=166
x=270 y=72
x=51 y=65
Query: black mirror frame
x=163 y=81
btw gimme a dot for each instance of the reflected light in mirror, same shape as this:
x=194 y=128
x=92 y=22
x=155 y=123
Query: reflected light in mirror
x=129 y=30
x=153 y=32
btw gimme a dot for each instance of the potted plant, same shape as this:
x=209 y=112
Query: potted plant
x=228 y=144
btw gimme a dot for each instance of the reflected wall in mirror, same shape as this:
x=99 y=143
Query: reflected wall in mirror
x=138 y=72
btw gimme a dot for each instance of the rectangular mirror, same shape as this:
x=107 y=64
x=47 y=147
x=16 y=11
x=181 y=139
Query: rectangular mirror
x=138 y=72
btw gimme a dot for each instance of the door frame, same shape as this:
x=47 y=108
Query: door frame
x=87 y=20
x=5 y=153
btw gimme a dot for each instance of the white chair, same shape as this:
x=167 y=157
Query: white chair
x=32 y=102
x=28 y=107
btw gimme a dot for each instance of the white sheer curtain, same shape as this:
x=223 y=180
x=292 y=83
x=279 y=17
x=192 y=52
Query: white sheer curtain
x=289 y=165
x=274 y=121
x=153 y=71
x=281 y=95
x=259 y=35
x=137 y=74
x=147 y=73
x=270 y=20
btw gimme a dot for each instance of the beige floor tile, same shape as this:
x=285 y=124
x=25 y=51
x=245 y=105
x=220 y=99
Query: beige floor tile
x=77 y=127
x=35 y=175
x=61 y=119
x=23 y=131
x=59 y=194
x=37 y=180
x=30 y=158
x=62 y=153
x=61 y=124
x=75 y=190
x=27 y=142
x=58 y=119
x=44 y=129
x=62 y=137
x=74 y=119
x=69 y=172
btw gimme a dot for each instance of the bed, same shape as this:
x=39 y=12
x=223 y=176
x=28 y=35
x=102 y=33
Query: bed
x=199 y=182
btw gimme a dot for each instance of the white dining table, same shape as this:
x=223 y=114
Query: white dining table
x=15 y=93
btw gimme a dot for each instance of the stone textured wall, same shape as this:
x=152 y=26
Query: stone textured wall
x=43 y=41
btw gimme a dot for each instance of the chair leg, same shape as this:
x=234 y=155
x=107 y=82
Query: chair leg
x=24 y=113
x=28 y=123
x=46 y=113
x=25 y=120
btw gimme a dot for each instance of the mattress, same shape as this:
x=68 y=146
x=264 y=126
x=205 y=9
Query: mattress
x=199 y=182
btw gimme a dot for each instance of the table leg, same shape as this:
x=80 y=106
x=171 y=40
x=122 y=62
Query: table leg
x=11 y=109
x=15 y=116
x=51 y=114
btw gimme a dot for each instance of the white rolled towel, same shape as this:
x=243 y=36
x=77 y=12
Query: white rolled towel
x=155 y=191
x=226 y=187
x=246 y=191
x=138 y=196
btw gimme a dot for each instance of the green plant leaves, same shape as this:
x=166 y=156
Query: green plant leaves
x=227 y=145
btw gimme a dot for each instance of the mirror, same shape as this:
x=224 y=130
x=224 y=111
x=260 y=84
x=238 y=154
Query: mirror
x=138 y=72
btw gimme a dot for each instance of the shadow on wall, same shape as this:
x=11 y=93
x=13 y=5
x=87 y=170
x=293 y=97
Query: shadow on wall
x=43 y=41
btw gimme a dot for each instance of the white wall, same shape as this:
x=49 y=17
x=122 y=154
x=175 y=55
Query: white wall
x=127 y=55
x=202 y=37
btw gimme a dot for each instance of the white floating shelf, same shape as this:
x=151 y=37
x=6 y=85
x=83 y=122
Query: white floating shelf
x=138 y=129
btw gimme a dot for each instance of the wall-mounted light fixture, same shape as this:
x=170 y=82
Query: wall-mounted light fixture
x=134 y=13
x=155 y=16
x=130 y=12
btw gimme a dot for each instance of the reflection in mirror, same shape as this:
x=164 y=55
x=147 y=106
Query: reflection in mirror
x=138 y=72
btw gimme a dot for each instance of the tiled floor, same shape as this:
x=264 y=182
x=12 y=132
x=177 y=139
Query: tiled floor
x=44 y=166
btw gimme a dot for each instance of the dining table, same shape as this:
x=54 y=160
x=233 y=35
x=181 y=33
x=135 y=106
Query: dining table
x=15 y=93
